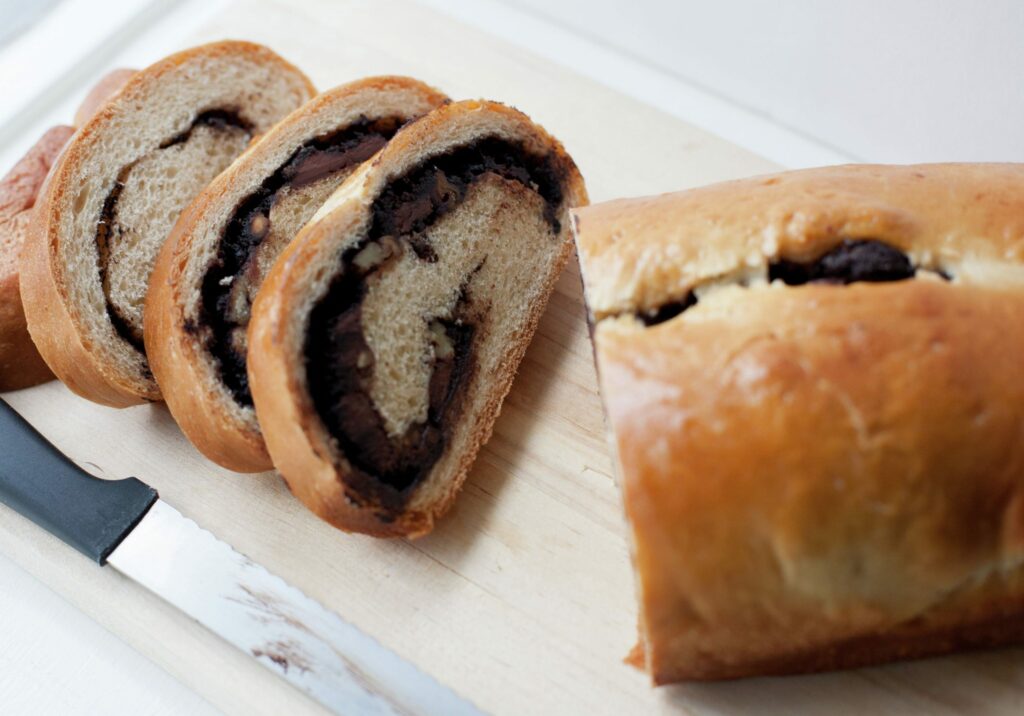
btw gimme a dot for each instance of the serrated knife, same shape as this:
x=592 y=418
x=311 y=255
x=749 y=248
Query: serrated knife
x=124 y=524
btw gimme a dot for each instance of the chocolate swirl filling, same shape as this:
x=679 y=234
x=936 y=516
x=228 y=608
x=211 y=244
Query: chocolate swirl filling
x=339 y=364
x=850 y=262
x=226 y=302
x=109 y=230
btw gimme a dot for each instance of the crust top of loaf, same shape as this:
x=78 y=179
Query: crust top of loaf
x=967 y=219
x=817 y=476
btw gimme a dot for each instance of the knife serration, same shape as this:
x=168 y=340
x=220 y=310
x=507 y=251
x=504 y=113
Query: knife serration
x=289 y=633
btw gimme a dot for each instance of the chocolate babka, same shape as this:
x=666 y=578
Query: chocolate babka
x=209 y=271
x=812 y=380
x=387 y=335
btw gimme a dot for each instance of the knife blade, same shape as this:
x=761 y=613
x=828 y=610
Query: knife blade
x=124 y=524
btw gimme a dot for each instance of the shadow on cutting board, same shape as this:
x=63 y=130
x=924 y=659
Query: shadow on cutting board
x=977 y=683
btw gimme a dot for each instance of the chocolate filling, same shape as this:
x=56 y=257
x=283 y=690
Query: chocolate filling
x=339 y=364
x=339 y=382
x=668 y=311
x=108 y=228
x=850 y=262
x=249 y=225
x=410 y=204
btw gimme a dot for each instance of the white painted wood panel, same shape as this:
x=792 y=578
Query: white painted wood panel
x=907 y=81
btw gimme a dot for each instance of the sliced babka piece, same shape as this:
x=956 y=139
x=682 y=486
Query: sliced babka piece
x=386 y=337
x=209 y=271
x=117 y=190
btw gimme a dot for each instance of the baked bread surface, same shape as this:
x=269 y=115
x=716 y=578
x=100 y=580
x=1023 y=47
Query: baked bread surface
x=21 y=365
x=822 y=475
x=165 y=134
x=505 y=220
x=221 y=423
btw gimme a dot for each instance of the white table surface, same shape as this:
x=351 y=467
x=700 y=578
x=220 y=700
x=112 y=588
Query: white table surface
x=55 y=659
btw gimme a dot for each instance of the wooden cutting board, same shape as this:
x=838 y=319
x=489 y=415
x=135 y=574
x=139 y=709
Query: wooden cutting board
x=522 y=599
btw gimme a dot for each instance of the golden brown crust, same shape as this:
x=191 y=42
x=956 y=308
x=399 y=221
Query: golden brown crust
x=914 y=642
x=652 y=249
x=172 y=358
x=282 y=405
x=298 y=442
x=818 y=476
x=56 y=332
x=20 y=363
x=176 y=359
x=52 y=329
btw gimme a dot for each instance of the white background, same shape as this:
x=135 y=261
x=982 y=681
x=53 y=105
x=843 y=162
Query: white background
x=879 y=80
x=800 y=82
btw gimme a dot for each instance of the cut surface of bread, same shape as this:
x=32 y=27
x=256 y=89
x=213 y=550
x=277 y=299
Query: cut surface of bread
x=386 y=337
x=21 y=365
x=117 y=190
x=209 y=271
x=813 y=386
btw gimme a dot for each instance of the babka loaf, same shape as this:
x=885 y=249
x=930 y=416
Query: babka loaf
x=812 y=380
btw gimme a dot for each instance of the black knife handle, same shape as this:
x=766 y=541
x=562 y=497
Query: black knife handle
x=37 y=480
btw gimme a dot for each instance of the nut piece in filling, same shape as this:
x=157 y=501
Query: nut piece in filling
x=211 y=269
x=388 y=334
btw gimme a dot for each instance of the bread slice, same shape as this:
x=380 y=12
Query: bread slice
x=21 y=365
x=210 y=269
x=113 y=196
x=387 y=335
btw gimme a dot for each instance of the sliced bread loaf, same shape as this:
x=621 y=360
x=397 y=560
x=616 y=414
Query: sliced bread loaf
x=386 y=337
x=209 y=271
x=117 y=190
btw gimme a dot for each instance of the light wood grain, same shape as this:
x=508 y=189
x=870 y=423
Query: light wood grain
x=522 y=599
